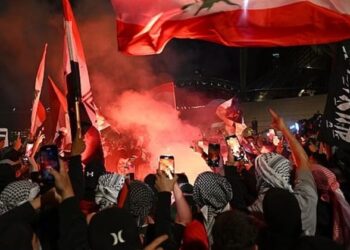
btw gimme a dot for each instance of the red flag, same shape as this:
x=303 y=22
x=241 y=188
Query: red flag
x=165 y=92
x=79 y=88
x=146 y=26
x=38 y=111
x=75 y=65
x=58 y=118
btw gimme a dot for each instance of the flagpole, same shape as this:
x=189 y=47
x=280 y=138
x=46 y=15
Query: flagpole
x=76 y=74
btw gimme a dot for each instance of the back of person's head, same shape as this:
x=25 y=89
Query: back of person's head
x=273 y=171
x=282 y=215
x=7 y=175
x=16 y=193
x=320 y=159
x=212 y=190
x=16 y=236
x=234 y=230
x=139 y=201
x=10 y=153
x=282 y=212
x=107 y=189
x=150 y=180
x=182 y=178
x=317 y=243
x=113 y=228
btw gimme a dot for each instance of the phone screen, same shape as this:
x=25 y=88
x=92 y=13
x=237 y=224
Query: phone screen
x=236 y=149
x=166 y=164
x=213 y=155
x=48 y=156
x=29 y=148
x=233 y=143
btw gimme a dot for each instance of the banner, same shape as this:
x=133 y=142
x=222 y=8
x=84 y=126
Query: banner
x=146 y=26
x=335 y=128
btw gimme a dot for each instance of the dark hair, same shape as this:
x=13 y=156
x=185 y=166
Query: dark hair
x=321 y=159
x=182 y=178
x=234 y=230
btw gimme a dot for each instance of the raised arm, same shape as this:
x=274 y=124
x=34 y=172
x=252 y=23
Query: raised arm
x=184 y=213
x=299 y=155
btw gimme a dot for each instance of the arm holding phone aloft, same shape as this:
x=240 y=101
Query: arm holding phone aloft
x=73 y=227
x=184 y=212
x=163 y=223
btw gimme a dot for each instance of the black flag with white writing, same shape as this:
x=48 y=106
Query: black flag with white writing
x=335 y=128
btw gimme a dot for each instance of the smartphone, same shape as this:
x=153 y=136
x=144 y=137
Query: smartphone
x=214 y=155
x=29 y=148
x=167 y=165
x=48 y=157
x=236 y=149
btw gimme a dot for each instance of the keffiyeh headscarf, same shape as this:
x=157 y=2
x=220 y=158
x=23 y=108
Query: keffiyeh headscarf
x=107 y=190
x=140 y=201
x=17 y=193
x=329 y=191
x=272 y=170
x=212 y=193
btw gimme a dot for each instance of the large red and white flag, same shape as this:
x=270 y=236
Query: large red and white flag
x=38 y=110
x=76 y=72
x=78 y=87
x=145 y=26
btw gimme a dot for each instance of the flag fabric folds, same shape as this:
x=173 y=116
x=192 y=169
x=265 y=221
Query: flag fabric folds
x=76 y=72
x=165 y=93
x=335 y=127
x=38 y=115
x=58 y=119
x=146 y=26
x=80 y=99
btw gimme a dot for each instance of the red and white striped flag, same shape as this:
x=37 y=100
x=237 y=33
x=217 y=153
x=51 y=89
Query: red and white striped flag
x=78 y=86
x=38 y=110
x=76 y=71
x=146 y=26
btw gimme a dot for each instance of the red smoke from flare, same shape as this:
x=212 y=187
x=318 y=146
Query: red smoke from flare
x=161 y=124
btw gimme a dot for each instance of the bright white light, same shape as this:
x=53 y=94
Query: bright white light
x=297 y=126
x=245 y=4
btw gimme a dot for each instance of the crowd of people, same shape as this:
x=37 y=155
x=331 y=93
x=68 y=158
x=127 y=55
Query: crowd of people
x=287 y=194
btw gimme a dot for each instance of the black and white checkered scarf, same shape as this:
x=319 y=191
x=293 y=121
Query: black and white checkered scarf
x=107 y=190
x=212 y=193
x=272 y=171
x=17 y=193
x=140 y=201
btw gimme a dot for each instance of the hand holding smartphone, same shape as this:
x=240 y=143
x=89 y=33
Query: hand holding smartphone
x=167 y=165
x=48 y=158
x=235 y=147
